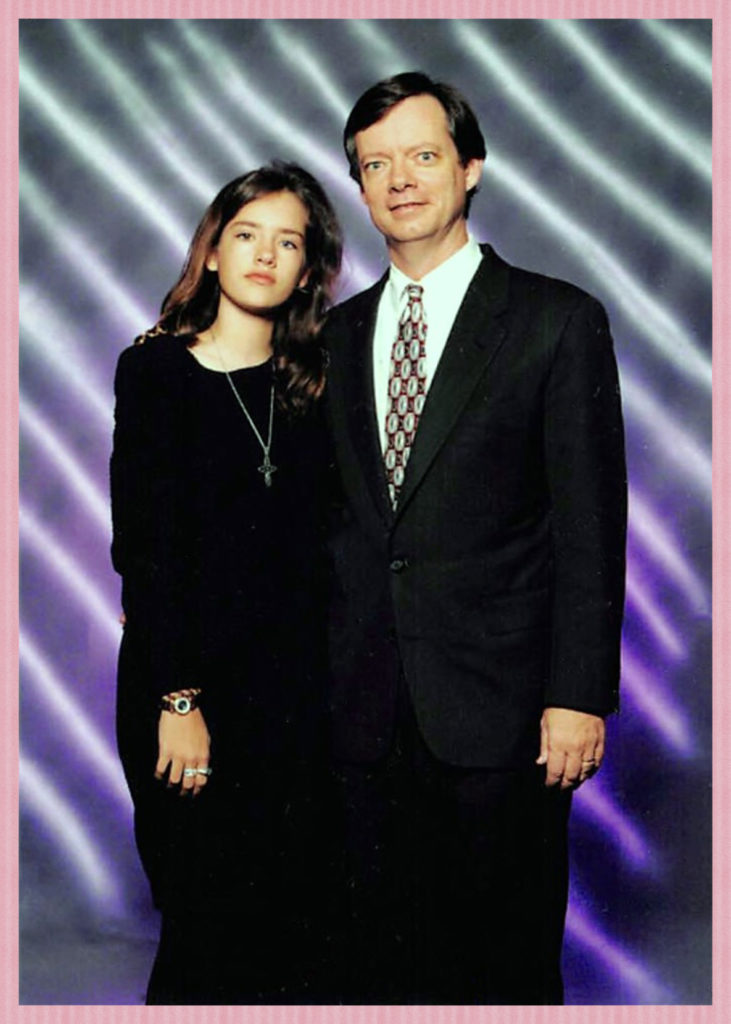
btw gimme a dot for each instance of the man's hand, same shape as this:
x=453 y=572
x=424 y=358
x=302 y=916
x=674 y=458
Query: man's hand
x=184 y=743
x=572 y=746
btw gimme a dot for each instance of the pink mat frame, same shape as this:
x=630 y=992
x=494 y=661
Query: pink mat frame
x=720 y=1011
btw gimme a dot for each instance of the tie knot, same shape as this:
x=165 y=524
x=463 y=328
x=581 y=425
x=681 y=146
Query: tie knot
x=414 y=309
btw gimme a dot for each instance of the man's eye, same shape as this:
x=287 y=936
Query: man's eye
x=373 y=165
x=427 y=156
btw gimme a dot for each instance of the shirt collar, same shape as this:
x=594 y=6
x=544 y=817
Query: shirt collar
x=460 y=267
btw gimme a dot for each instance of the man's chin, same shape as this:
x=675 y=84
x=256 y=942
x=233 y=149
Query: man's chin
x=404 y=232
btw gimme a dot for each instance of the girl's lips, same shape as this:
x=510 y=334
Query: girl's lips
x=260 y=278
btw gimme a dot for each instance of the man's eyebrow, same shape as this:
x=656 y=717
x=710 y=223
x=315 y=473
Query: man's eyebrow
x=379 y=155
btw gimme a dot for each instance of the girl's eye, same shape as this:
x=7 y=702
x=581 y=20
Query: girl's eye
x=246 y=235
x=287 y=243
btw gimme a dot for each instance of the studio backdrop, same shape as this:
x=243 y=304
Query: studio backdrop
x=599 y=172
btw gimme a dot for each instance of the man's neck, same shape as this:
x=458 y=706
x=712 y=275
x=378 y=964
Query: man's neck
x=418 y=258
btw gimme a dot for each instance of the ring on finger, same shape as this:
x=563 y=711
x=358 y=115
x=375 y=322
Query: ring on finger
x=189 y=773
x=204 y=771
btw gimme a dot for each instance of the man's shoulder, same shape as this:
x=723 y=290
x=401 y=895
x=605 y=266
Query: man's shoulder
x=532 y=289
x=359 y=304
x=540 y=294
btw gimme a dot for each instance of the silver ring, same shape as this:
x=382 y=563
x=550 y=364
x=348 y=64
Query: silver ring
x=190 y=772
x=204 y=771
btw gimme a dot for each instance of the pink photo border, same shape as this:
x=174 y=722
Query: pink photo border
x=720 y=1010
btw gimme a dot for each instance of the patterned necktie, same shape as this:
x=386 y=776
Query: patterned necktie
x=406 y=389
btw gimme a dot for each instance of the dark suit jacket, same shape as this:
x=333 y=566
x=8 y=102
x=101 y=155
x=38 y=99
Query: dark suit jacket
x=497 y=586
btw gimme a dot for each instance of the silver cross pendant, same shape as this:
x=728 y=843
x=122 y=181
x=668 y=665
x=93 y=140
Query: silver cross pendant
x=268 y=469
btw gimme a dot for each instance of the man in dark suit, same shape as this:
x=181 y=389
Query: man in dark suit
x=478 y=576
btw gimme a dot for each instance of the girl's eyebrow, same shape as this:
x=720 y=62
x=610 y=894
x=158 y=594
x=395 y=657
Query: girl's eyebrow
x=253 y=224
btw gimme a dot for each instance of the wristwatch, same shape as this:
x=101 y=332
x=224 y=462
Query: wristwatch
x=181 y=703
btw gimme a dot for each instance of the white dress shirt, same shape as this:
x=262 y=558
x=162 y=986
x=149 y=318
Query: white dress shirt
x=444 y=289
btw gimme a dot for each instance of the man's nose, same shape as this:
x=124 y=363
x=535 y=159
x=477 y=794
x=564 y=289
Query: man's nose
x=401 y=176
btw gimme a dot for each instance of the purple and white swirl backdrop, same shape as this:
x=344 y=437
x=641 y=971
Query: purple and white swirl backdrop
x=598 y=171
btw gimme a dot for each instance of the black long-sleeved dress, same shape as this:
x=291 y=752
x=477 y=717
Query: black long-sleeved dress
x=222 y=590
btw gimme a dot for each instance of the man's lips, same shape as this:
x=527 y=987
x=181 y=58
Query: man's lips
x=260 y=278
x=405 y=207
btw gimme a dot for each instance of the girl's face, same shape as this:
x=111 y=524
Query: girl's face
x=260 y=256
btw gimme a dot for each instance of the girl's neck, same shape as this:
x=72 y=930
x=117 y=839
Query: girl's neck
x=232 y=343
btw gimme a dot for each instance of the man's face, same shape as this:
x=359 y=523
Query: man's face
x=412 y=180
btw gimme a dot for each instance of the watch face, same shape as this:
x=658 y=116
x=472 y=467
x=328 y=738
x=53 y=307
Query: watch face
x=182 y=705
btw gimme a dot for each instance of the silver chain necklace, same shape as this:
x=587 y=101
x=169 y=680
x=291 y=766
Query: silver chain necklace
x=267 y=467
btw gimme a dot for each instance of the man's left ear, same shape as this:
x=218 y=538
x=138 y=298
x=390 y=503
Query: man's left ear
x=473 y=172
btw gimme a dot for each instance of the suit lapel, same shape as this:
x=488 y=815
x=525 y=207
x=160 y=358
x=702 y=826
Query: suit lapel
x=475 y=337
x=360 y=409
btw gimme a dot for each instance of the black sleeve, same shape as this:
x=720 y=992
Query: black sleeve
x=588 y=498
x=150 y=512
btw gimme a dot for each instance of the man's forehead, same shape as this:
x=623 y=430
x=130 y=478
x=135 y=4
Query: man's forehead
x=415 y=113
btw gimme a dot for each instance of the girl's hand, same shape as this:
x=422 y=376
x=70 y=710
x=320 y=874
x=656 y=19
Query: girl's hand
x=183 y=742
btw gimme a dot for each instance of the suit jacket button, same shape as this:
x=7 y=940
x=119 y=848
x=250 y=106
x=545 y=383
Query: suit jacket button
x=398 y=565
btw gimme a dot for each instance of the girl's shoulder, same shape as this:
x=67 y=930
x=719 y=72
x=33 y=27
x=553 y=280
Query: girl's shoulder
x=155 y=352
x=153 y=371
